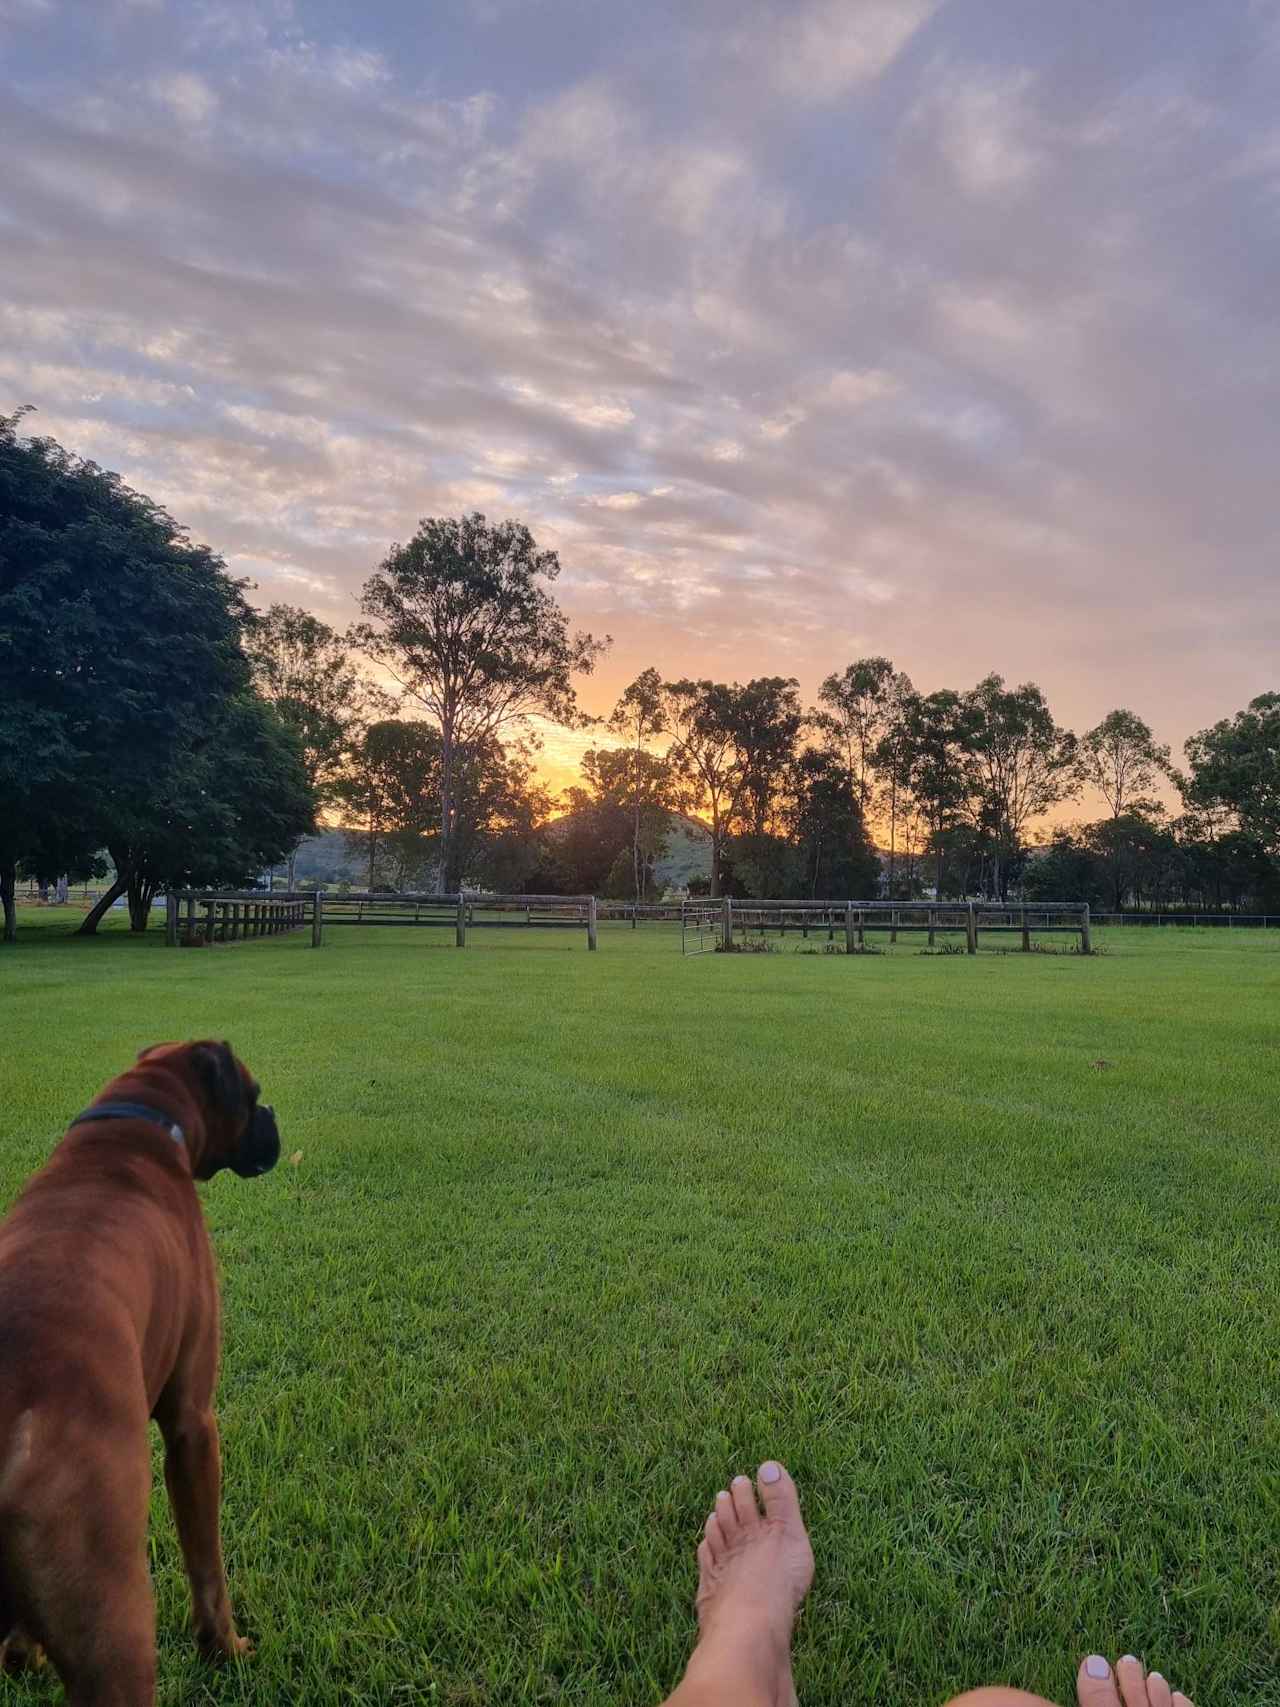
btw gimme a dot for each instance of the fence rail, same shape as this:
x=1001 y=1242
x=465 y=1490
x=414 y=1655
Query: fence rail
x=856 y=919
x=1240 y=921
x=234 y=915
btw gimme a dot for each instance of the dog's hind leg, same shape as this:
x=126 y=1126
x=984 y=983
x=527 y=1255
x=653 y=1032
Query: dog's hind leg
x=76 y=1547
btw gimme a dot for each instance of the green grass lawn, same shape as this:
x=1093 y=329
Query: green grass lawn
x=575 y=1237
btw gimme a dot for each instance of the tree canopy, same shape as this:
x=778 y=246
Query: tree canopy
x=121 y=645
x=462 y=620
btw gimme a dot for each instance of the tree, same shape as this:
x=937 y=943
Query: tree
x=730 y=749
x=119 y=642
x=1065 y=869
x=765 y=721
x=305 y=670
x=891 y=759
x=460 y=618
x=856 y=708
x=231 y=811
x=704 y=757
x=935 y=746
x=599 y=822
x=389 y=788
x=827 y=827
x=1023 y=764
x=1121 y=758
x=392 y=787
x=639 y=715
x=1235 y=765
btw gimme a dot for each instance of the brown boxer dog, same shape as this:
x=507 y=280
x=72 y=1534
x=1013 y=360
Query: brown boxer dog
x=108 y=1317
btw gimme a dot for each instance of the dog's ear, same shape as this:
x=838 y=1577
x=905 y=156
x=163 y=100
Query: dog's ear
x=219 y=1076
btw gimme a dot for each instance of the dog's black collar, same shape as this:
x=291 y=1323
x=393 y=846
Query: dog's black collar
x=132 y=1111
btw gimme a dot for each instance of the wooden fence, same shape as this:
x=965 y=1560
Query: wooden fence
x=236 y=916
x=233 y=917
x=853 y=921
x=196 y=917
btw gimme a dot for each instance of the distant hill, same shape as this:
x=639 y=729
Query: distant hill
x=688 y=854
x=324 y=858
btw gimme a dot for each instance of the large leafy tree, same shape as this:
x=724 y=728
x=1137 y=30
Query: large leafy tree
x=1235 y=765
x=308 y=674
x=827 y=828
x=462 y=619
x=595 y=839
x=120 y=641
x=232 y=810
x=1023 y=764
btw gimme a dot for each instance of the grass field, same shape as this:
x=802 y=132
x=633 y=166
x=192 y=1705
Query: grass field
x=575 y=1237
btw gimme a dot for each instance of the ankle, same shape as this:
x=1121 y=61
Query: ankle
x=743 y=1663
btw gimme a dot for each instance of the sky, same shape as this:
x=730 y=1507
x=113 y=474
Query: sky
x=800 y=329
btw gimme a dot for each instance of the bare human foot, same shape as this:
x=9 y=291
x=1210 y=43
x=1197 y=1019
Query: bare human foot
x=753 y=1573
x=1128 y=1685
x=1097 y=1685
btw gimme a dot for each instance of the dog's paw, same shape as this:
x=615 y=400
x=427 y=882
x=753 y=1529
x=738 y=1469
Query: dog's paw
x=218 y=1649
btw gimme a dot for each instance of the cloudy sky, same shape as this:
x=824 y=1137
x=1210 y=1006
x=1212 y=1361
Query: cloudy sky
x=801 y=328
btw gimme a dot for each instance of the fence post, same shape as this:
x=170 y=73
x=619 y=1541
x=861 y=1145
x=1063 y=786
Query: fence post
x=1026 y=933
x=1086 y=934
x=317 y=920
x=591 y=924
x=893 y=925
x=848 y=927
x=191 y=917
x=171 y=920
x=971 y=937
x=460 y=934
x=726 y=922
x=933 y=920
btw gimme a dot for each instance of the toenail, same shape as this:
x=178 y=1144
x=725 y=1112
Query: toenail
x=742 y=1481
x=722 y=1495
x=771 y=1472
x=1096 y=1666
x=1128 y=1659
x=1157 y=1675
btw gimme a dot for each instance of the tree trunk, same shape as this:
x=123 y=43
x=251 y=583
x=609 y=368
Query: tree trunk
x=142 y=892
x=893 y=831
x=8 y=885
x=101 y=907
x=715 y=855
x=446 y=808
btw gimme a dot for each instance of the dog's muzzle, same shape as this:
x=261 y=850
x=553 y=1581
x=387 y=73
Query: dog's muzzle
x=260 y=1147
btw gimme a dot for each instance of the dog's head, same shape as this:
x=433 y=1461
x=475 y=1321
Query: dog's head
x=240 y=1133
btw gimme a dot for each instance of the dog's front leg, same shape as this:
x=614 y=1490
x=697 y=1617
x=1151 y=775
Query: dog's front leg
x=193 y=1475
